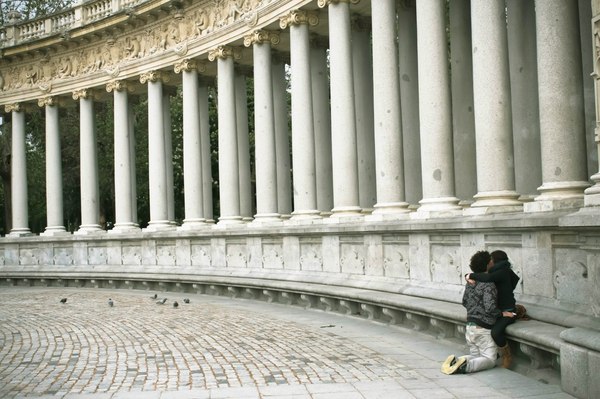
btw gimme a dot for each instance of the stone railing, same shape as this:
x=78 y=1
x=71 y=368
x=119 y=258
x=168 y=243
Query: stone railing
x=85 y=12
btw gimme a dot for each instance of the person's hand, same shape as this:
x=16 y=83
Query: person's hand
x=509 y=314
x=468 y=280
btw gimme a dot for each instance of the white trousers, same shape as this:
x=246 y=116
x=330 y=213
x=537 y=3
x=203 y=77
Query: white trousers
x=483 y=350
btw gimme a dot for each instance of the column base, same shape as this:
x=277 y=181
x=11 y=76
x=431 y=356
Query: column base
x=488 y=210
x=266 y=219
x=500 y=198
x=89 y=230
x=386 y=208
x=437 y=208
x=160 y=225
x=592 y=194
x=558 y=196
x=55 y=231
x=305 y=215
x=230 y=220
x=20 y=232
x=194 y=224
x=346 y=211
x=124 y=228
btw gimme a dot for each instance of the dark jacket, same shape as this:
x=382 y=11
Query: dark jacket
x=506 y=280
x=480 y=301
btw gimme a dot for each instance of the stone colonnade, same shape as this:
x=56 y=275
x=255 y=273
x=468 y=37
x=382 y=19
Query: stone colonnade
x=398 y=129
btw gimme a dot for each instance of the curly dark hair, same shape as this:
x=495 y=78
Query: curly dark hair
x=479 y=261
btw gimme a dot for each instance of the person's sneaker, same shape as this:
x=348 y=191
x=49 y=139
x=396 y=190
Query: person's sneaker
x=461 y=362
x=448 y=363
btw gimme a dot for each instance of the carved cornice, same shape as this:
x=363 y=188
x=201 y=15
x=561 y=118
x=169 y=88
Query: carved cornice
x=223 y=52
x=16 y=107
x=325 y=3
x=187 y=65
x=154 y=76
x=261 y=36
x=298 y=17
x=42 y=102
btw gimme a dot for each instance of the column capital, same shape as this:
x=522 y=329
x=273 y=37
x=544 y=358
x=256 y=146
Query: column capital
x=83 y=94
x=118 y=85
x=50 y=100
x=223 y=52
x=154 y=76
x=299 y=17
x=187 y=65
x=16 y=107
x=261 y=36
x=325 y=3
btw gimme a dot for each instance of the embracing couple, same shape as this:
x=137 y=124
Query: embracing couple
x=491 y=307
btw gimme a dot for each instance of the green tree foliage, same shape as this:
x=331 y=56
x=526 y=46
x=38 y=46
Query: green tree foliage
x=29 y=9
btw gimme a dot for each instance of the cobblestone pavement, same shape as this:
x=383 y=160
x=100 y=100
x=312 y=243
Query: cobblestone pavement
x=215 y=347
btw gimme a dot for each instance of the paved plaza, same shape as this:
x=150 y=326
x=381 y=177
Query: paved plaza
x=216 y=347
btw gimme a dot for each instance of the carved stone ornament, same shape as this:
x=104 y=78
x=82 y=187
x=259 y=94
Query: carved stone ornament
x=42 y=102
x=82 y=94
x=224 y=52
x=16 y=107
x=260 y=37
x=325 y=3
x=185 y=65
x=154 y=76
x=298 y=17
x=116 y=85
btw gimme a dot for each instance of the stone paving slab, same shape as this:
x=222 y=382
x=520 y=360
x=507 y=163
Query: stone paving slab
x=216 y=347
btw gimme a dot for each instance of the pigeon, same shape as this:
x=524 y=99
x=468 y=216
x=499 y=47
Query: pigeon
x=162 y=301
x=154 y=297
x=175 y=304
x=186 y=300
x=110 y=302
x=64 y=300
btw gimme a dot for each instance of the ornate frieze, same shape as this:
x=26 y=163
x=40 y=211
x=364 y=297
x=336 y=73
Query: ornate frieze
x=261 y=36
x=184 y=28
x=298 y=17
x=224 y=52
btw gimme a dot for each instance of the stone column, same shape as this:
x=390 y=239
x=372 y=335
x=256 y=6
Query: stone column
x=592 y=194
x=207 y=182
x=264 y=126
x=18 y=172
x=229 y=180
x=362 y=69
x=322 y=126
x=562 y=124
x=132 y=155
x=282 y=140
x=88 y=153
x=463 y=120
x=524 y=95
x=192 y=150
x=409 y=98
x=493 y=116
x=343 y=116
x=157 y=153
x=303 y=138
x=389 y=173
x=243 y=142
x=54 y=183
x=124 y=221
x=169 y=156
x=435 y=112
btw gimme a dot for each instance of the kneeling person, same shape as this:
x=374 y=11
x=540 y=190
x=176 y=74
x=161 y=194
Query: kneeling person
x=481 y=301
